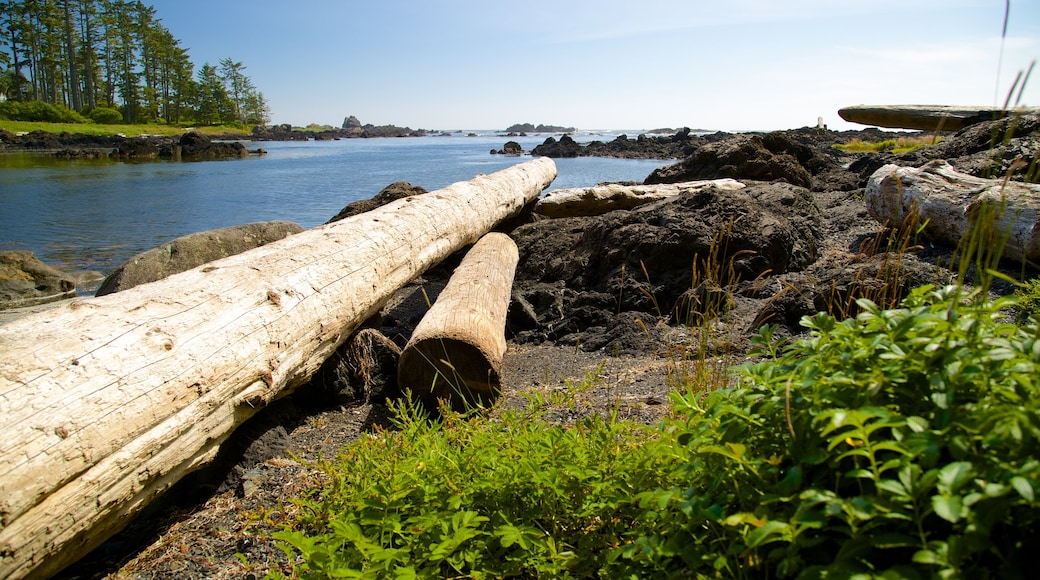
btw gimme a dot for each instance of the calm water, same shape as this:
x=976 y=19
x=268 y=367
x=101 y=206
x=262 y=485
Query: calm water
x=96 y=214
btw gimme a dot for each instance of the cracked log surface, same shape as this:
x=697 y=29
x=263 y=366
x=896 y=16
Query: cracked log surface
x=106 y=402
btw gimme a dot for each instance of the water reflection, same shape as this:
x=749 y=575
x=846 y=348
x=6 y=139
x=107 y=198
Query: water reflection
x=95 y=214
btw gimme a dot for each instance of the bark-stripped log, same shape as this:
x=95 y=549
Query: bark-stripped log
x=599 y=199
x=922 y=117
x=107 y=402
x=455 y=353
x=948 y=202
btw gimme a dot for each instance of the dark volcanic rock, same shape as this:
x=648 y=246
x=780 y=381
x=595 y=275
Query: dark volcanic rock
x=196 y=146
x=392 y=192
x=510 y=148
x=26 y=281
x=564 y=148
x=187 y=252
x=578 y=273
x=987 y=149
x=363 y=369
x=760 y=157
x=642 y=147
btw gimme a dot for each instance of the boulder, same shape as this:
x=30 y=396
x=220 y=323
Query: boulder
x=768 y=157
x=578 y=273
x=26 y=281
x=564 y=148
x=351 y=122
x=392 y=192
x=187 y=252
x=196 y=146
x=510 y=148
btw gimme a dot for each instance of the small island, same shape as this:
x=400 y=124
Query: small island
x=529 y=128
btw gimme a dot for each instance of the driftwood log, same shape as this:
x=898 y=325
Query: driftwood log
x=599 y=199
x=455 y=352
x=106 y=402
x=948 y=203
x=921 y=117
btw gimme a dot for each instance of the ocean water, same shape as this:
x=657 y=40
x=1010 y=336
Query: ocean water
x=94 y=215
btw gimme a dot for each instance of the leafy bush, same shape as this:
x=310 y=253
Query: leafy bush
x=899 y=444
x=38 y=111
x=516 y=496
x=106 y=116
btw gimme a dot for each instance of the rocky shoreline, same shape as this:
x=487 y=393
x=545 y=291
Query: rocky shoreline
x=191 y=146
x=627 y=296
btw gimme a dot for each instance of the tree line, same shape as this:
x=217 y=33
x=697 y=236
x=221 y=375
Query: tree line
x=99 y=55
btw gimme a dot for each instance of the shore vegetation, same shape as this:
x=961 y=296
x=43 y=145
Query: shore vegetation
x=896 y=145
x=126 y=130
x=114 y=56
x=894 y=442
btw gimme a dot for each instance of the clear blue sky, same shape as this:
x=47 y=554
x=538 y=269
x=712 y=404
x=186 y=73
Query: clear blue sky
x=611 y=64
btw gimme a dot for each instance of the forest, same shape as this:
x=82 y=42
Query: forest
x=113 y=61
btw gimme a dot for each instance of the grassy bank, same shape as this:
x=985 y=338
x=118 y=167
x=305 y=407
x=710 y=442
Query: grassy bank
x=125 y=130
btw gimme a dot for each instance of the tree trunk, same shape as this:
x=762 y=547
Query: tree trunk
x=72 y=60
x=107 y=402
x=948 y=203
x=920 y=117
x=599 y=199
x=455 y=353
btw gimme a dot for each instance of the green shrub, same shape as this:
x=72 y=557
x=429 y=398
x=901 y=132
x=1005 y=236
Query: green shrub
x=38 y=111
x=514 y=496
x=106 y=116
x=899 y=444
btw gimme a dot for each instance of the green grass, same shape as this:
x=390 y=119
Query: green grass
x=896 y=145
x=126 y=130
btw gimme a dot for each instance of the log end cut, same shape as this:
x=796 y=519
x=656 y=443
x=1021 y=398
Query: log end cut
x=449 y=370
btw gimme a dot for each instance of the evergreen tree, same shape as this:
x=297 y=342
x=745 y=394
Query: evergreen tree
x=84 y=54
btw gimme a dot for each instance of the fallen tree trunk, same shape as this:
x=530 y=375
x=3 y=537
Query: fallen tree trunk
x=107 y=402
x=949 y=203
x=921 y=117
x=600 y=199
x=455 y=352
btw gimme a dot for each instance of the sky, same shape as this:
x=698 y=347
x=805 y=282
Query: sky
x=728 y=65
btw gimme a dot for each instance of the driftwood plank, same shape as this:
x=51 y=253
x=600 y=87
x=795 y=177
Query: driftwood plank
x=948 y=202
x=599 y=199
x=106 y=402
x=922 y=117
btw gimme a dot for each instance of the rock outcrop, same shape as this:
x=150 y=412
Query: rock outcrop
x=187 y=252
x=767 y=157
x=576 y=274
x=392 y=192
x=26 y=281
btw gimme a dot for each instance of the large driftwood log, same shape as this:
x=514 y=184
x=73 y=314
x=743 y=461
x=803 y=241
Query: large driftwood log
x=107 y=402
x=948 y=202
x=599 y=199
x=455 y=352
x=921 y=117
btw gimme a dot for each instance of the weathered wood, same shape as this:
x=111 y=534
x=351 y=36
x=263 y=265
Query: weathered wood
x=599 y=199
x=106 y=402
x=455 y=352
x=948 y=202
x=921 y=117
